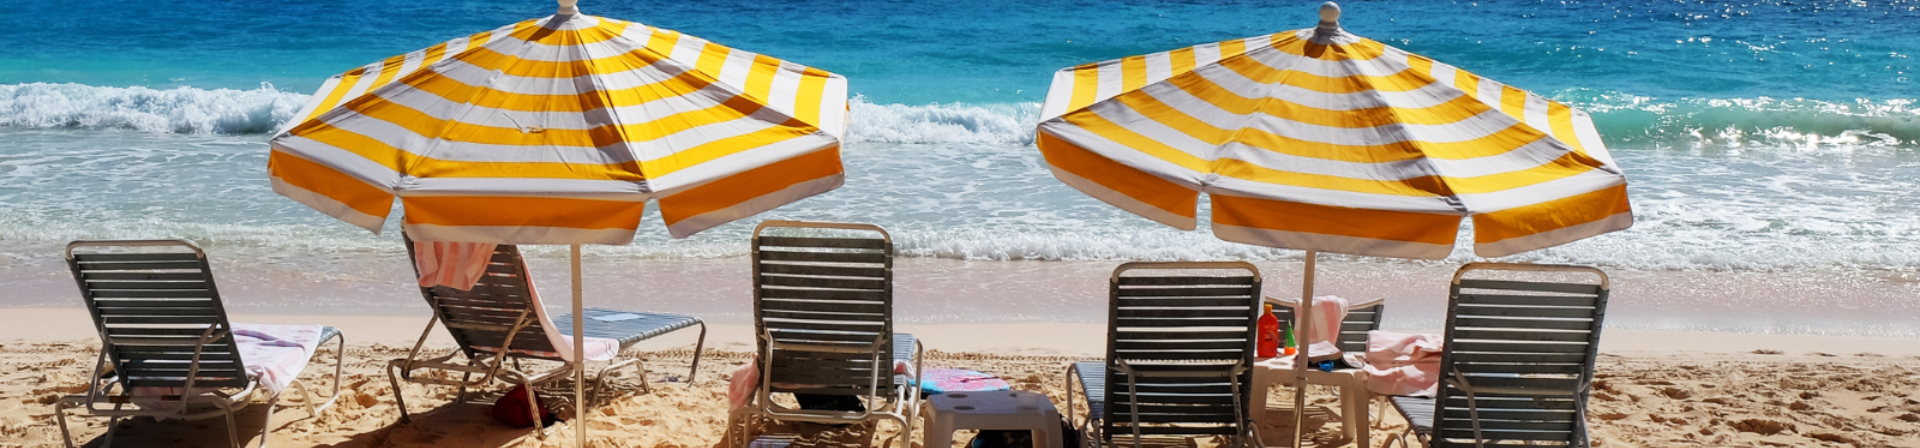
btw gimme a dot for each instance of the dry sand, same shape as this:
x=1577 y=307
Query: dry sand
x=1653 y=388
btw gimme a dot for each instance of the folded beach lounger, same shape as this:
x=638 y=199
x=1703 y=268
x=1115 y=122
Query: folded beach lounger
x=1180 y=342
x=500 y=321
x=823 y=311
x=1517 y=361
x=167 y=350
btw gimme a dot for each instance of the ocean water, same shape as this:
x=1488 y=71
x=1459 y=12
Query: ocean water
x=1772 y=147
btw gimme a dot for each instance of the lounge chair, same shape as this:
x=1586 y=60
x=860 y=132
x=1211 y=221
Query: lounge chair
x=1179 y=354
x=501 y=314
x=1518 y=359
x=823 y=312
x=167 y=350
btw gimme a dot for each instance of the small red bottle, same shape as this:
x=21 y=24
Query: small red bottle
x=1269 y=345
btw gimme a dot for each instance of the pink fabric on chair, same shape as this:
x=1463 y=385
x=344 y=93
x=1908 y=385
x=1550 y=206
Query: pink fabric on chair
x=451 y=264
x=1328 y=312
x=459 y=265
x=1403 y=363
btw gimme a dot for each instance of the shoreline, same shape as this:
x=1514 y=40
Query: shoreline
x=942 y=291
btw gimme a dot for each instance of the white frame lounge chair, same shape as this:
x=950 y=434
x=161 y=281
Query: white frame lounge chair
x=497 y=316
x=164 y=328
x=1517 y=362
x=1183 y=344
x=823 y=311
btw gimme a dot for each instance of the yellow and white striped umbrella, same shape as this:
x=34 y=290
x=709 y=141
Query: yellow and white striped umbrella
x=559 y=130
x=1318 y=139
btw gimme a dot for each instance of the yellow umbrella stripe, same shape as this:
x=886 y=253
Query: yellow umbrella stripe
x=345 y=191
x=1566 y=166
x=490 y=98
x=1356 y=148
x=424 y=124
x=765 y=76
x=336 y=89
x=1301 y=217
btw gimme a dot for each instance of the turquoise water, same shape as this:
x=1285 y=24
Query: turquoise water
x=1759 y=136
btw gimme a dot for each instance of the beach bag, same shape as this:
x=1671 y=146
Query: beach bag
x=511 y=410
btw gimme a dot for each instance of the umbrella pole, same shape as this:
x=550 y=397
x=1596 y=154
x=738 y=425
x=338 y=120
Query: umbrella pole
x=579 y=357
x=1304 y=322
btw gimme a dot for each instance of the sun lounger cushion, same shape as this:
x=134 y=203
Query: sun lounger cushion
x=1093 y=378
x=1418 y=410
x=627 y=327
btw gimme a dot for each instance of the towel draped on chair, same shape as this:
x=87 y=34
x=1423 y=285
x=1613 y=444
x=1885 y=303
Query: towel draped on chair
x=460 y=265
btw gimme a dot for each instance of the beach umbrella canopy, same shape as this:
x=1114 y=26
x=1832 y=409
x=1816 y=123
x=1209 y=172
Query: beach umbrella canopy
x=559 y=130
x=1321 y=140
x=1318 y=139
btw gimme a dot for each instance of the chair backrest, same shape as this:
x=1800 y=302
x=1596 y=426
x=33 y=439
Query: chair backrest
x=1525 y=347
x=153 y=301
x=1184 y=335
x=823 y=300
x=498 y=310
x=1353 y=329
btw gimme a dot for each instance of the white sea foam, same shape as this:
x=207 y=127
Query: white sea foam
x=1005 y=124
x=183 y=110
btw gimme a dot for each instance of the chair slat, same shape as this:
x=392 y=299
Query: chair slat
x=823 y=294
x=823 y=242
x=86 y=258
x=823 y=257
x=831 y=271
x=1512 y=299
x=1508 y=285
x=139 y=266
x=1521 y=335
x=821 y=282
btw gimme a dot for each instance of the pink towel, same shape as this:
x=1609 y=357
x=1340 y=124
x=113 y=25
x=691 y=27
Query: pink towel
x=451 y=264
x=1403 y=363
x=746 y=379
x=459 y=265
x=1328 y=312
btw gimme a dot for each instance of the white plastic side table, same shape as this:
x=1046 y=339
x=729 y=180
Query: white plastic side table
x=1002 y=410
x=1354 y=396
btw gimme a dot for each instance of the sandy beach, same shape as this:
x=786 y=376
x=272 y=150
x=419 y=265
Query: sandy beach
x=1653 y=388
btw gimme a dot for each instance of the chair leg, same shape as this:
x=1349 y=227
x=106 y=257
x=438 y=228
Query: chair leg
x=60 y=415
x=233 y=431
x=698 y=347
x=266 y=423
x=533 y=407
x=113 y=425
x=600 y=380
x=399 y=396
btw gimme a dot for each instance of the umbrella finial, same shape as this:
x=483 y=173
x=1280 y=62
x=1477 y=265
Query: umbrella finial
x=567 y=7
x=1329 y=16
